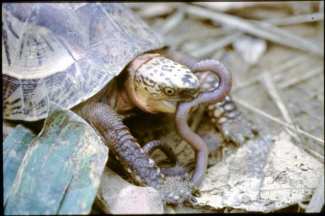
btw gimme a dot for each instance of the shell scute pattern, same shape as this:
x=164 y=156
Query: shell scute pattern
x=140 y=38
x=73 y=52
x=34 y=96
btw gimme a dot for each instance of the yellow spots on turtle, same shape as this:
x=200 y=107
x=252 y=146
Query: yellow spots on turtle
x=211 y=107
x=222 y=120
x=138 y=179
x=229 y=107
x=176 y=197
x=188 y=79
x=166 y=68
x=233 y=114
x=217 y=113
x=151 y=162
x=164 y=79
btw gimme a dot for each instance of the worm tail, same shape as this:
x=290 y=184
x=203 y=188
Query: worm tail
x=217 y=95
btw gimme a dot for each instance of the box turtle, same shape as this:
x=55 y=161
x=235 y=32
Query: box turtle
x=103 y=61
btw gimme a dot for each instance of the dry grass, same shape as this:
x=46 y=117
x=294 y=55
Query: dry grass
x=284 y=89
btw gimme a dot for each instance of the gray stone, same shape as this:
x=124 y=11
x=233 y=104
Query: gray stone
x=117 y=196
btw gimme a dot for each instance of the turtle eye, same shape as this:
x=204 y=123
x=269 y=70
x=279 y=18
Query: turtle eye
x=169 y=91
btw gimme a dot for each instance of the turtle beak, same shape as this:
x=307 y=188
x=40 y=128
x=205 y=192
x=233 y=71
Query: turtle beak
x=192 y=87
x=190 y=93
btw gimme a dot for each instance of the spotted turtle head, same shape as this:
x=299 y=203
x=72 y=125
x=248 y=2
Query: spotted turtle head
x=157 y=84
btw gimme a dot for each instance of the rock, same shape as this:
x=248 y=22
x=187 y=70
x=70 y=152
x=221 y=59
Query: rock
x=264 y=175
x=14 y=148
x=250 y=48
x=117 y=196
x=56 y=172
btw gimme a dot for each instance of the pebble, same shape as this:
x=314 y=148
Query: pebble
x=117 y=196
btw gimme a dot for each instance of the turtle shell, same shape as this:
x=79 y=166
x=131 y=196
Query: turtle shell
x=65 y=53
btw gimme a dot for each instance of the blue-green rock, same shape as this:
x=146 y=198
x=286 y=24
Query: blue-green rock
x=13 y=150
x=61 y=169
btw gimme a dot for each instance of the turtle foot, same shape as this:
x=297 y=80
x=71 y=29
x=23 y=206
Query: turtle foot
x=231 y=123
x=176 y=190
x=238 y=130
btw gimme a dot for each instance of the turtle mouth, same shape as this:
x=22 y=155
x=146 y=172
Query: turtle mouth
x=170 y=106
x=189 y=94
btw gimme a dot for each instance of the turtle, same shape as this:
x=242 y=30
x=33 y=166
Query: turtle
x=103 y=61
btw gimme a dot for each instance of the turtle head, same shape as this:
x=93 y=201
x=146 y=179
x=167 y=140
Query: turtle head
x=157 y=84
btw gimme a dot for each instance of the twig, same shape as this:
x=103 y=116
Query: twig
x=262 y=113
x=176 y=41
x=315 y=154
x=172 y=21
x=297 y=79
x=271 y=89
x=225 y=6
x=285 y=66
x=220 y=43
x=260 y=29
x=158 y=9
x=317 y=201
x=296 y=19
x=290 y=39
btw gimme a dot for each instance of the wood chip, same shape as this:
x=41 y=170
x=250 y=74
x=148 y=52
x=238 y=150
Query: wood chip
x=214 y=47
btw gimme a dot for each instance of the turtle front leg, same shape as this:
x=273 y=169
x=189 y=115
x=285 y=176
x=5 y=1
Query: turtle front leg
x=141 y=168
x=224 y=115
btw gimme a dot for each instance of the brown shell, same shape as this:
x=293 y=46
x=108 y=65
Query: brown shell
x=65 y=53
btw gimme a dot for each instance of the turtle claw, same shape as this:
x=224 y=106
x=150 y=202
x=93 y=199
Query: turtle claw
x=238 y=130
x=231 y=123
x=191 y=202
x=176 y=190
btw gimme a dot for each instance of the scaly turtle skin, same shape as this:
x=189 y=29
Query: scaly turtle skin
x=106 y=59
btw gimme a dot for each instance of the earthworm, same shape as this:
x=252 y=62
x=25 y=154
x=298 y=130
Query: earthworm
x=184 y=108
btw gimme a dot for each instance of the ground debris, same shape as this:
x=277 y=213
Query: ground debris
x=288 y=176
x=117 y=196
x=285 y=65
